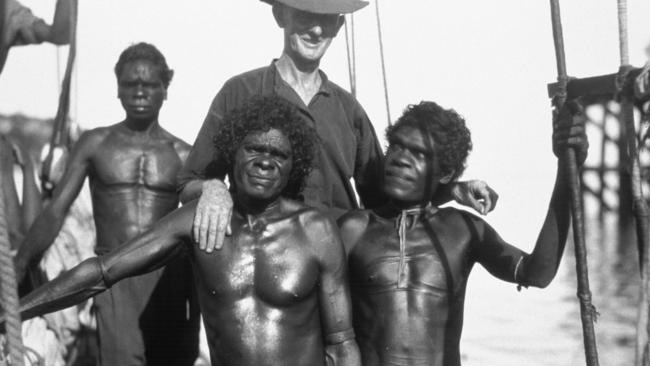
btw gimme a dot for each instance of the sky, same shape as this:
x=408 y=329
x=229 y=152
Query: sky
x=489 y=60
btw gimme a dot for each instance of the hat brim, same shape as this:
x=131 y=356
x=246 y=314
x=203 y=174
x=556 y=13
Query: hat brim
x=323 y=6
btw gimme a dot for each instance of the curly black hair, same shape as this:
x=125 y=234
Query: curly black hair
x=148 y=52
x=452 y=138
x=260 y=114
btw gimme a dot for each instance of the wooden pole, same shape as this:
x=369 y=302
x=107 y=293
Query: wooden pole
x=640 y=206
x=60 y=128
x=587 y=311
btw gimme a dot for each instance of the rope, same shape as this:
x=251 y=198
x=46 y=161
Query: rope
x=8 y=292
x=587 y=310
x=3 y=51
x=59 y=133
x=383 y=64
x=349 y=48
x=622 y=32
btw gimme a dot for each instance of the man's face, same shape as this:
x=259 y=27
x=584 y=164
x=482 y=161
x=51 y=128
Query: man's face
x=262 y=165
x=411 y=170
x=141 y=90
x=308 y=35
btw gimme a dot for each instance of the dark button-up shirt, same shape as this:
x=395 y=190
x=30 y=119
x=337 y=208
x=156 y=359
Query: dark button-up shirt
x=348 y=144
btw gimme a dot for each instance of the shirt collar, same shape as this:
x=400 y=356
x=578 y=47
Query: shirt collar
x=326 y=86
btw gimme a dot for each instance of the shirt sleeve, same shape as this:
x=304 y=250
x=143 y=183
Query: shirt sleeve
x=369 y=162
x=202 y=161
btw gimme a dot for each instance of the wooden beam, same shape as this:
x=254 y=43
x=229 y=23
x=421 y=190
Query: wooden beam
x=593 y=88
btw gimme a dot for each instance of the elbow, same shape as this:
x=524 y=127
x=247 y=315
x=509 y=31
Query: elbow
x=541 y=280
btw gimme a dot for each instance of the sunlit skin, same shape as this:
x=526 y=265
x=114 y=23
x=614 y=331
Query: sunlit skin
x=408 y=296
x=132 y=168
x=270 y=297
x=307 y=36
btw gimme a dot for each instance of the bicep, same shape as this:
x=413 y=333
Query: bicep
x=76 y=170
x=334 y=293
x=496 y=255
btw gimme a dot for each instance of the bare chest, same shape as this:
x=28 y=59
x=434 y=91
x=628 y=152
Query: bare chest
x=421 y=260
x=127 y=162
x=272 y=266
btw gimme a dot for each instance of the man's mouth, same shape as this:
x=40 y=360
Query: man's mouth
x=310 y=42
x=258 y=179
x=391 y=174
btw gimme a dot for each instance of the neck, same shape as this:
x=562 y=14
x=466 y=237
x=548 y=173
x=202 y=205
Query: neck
x=407 y=206
x=253 y=210
x=300 y=74
x=142 y=126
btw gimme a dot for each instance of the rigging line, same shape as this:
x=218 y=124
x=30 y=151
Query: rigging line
x=351 y=75
x=354 y=51
x=622 y=32
x=383 y=64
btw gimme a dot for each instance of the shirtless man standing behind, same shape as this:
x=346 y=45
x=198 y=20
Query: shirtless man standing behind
x=132 y=168
x=277 y=293
x=409 y=261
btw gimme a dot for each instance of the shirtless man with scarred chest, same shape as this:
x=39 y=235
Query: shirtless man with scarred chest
x=132 y=168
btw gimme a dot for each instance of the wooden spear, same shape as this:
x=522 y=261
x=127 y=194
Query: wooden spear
x=587 y=311
x=640 y=206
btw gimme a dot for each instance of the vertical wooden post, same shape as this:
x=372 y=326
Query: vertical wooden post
x=587 y=311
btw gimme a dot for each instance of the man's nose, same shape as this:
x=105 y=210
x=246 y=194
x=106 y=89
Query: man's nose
x=265 y=162
x=400 y=159
x=316 y=29
x=139 y=91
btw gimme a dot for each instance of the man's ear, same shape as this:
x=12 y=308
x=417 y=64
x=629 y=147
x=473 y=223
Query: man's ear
x=278 y=14
x=339 y=23
x=447 y=178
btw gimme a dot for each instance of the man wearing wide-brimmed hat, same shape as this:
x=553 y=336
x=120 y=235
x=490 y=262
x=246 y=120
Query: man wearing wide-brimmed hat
x=349 y=146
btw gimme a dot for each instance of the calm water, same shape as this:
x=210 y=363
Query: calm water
x=542 y=327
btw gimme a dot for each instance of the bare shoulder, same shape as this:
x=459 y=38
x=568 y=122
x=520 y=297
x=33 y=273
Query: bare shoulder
x=352 y=226
x=453 y=219
x=182 y=148
x=91 y=139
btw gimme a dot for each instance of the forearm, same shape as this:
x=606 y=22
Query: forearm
x=191 y=191
x=539 y=268
x=70 y=288
x=345 y=353
x=32 y=203
x=38 y=239
x=59 y=32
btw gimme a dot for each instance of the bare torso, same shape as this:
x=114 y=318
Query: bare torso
x=258 y=295
x=408 y=302
x=132 y=182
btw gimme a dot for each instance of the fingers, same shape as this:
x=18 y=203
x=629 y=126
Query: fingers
x=491 y=201
x=486 y=198
x=212 y=217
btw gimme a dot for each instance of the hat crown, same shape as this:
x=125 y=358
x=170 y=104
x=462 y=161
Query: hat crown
x=323 y=6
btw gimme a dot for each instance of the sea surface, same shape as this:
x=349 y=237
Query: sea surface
x=539 y=327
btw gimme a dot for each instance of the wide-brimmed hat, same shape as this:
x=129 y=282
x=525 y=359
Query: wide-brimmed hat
x=323 y=6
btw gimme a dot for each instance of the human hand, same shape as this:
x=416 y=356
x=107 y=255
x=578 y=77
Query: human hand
x=212 y=217
x=569 y=131
x=475 y=194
